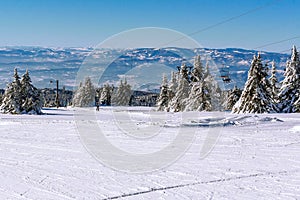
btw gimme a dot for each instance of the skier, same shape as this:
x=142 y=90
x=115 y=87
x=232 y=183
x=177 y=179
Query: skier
x=97 y=106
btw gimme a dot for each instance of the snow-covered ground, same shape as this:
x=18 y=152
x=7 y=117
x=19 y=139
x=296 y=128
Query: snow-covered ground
x=254 y=157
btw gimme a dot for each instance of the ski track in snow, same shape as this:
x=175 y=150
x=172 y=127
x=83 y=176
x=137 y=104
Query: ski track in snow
x=255 y=157
x=191 y=184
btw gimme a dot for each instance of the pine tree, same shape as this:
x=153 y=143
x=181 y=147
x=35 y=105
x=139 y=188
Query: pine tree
x=199 y=98
x=85 y=94
x=290 y=88
x=172 y=86
x=163 y=99
x=12 y=97
x=89 y=93
x=123 y=95
x=105 y=96
x=21 y=97
x=184 y=72
x=198 y=71
x=213 y=90
x=31 y=98
x=233 y=97
x=297 y=104
x=274 y=82
x=178 y=102
x=256 y=96
x=205 y=98
x=76 y=101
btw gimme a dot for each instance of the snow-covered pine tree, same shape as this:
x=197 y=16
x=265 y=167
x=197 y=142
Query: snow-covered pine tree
x=105 y=96
x=297 y=104
x=198 y=71
x=12 y=98
x=290 y=88
x=233 y=97
x=184 y=72
x=177 y=104
x=123 y=94
x=199 y=98
x=274 y=82
x=85 y=94
x=31 y=98
x=163 y=99
x=116 y=95
x=256 y=96
x=1 y=98
x=76 y=101
x=213 y=90
x=89 y=92
x=172 y=86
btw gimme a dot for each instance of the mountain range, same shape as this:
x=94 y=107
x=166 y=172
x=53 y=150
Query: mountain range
x=142 y=67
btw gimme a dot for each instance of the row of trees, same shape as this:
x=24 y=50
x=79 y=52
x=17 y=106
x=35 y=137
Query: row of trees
x=194 y=91
x=263 y=95
x=87 y=95
x=198 y=91
x=21 y=97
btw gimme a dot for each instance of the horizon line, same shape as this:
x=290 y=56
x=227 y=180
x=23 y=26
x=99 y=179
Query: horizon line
x=93 y=47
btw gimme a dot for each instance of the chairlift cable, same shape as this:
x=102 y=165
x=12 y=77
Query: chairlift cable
x=226 y=20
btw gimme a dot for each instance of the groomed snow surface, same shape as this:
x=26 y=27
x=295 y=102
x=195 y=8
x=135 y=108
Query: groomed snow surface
x=254 y=157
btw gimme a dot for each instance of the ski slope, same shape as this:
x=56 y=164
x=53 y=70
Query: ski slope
x=254 y=156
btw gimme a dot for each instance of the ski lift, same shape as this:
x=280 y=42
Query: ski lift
x=224 y=74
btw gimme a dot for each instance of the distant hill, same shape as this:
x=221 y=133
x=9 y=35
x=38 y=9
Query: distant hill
x=46 y=64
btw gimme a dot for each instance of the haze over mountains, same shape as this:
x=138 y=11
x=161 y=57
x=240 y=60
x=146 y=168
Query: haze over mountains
x=46 y=64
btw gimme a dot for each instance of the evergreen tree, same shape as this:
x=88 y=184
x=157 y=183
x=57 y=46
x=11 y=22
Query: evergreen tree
x=205 y=98
x=297 y=104
x=207 y=71
x=12 y=97
x=213 y=90
x=197 y=73
x=105 y=96
x=21 y=96
x=31 y=98
x=85 y=94
x=199 y=98
x=274 y=82
x=172 y=86
x=290 y=88
x=178 y=102
x=184 y=72
x=233 y=97
x=89 y=93
x=163 y=99
x=256 y=96
x=76 y=101
x=123 y=95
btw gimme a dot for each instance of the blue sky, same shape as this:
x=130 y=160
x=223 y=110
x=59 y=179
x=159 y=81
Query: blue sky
x=64 y=23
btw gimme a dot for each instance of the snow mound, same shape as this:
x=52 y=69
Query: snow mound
x=227 y=121
x=211 y=122
x=251 y=120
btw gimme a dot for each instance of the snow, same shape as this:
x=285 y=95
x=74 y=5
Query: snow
x=255 y=156
x=243 y=62
x=295 y=129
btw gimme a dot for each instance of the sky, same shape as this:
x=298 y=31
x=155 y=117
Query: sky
x=82 y=23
